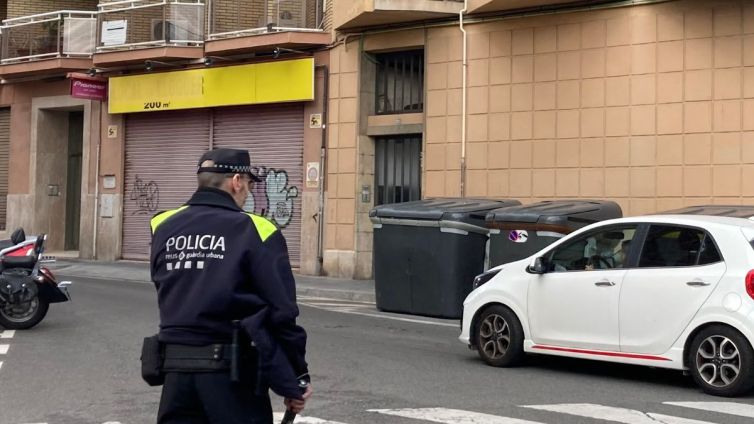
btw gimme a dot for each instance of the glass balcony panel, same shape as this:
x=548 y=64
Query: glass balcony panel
x=150 y=23
x=65 y=34
x=231 y=18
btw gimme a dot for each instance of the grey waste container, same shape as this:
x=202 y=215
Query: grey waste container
x=520 y=231
x=427 y=253
x=736 y=211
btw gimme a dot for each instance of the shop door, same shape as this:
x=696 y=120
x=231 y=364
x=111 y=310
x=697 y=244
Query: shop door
x=162 y=150
x=73 y=180
x=4 y=163
x=274 y=136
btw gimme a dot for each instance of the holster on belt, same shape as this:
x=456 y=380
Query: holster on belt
x=151 y=361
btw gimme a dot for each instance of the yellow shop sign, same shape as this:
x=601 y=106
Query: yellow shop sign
x=271 y=82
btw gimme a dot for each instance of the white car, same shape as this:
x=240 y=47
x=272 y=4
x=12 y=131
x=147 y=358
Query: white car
x=667 y=291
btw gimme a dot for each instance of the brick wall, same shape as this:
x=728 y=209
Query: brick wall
x=18 y=8
x=237 y=15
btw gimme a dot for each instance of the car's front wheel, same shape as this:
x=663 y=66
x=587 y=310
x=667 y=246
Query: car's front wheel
x=721 y=361
x=499 y=337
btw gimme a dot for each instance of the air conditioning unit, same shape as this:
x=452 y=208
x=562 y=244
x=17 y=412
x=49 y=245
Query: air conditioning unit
x=174 y=30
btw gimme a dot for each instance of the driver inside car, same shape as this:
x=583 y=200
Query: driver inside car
x=600 y=252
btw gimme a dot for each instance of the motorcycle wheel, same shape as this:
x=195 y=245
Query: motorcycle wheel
x=23 y=316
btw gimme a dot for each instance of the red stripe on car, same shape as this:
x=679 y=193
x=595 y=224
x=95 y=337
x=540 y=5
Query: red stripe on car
x=602 y=353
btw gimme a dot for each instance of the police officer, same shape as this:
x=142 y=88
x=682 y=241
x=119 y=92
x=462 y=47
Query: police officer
x=215 y=266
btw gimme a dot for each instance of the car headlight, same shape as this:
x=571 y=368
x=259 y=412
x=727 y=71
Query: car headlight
x=480 y=279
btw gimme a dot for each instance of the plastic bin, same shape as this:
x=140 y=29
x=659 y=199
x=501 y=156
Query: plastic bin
x=520 y=231
x=736 y=211
x=427 y=253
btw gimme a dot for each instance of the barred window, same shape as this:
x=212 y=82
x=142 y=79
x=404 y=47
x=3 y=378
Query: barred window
x=400 y=82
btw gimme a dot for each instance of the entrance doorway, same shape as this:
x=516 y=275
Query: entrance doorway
x=73 y=180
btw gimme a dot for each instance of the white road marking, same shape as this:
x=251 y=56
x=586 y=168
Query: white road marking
x=374 y=315
x=4 y=349
x=278 y=416
x=7 y=334
x=609 y=413
x=1 y=365
x=730 y=408
x=451 y=416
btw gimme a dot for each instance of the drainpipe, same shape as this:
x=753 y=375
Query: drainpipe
x=322 y=157
x=463 y=100
x=96 y=183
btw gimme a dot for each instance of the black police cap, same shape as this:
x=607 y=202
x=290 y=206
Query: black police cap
x=228 y=161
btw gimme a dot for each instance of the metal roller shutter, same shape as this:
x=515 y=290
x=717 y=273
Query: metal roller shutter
x=274 y=135
x=4 y=164
x=162 y=149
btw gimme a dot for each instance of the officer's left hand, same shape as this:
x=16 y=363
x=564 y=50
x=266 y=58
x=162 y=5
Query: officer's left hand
x=297 y=405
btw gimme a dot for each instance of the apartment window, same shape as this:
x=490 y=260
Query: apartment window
x=397 y=172
x=400 y=82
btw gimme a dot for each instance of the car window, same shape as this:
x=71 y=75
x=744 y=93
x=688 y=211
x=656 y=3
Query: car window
x=670 y=246
x=709 y=253
x=605 y=249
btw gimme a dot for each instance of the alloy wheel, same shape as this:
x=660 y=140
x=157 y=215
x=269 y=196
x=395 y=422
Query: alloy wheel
x=718 y=361
x=495 y=336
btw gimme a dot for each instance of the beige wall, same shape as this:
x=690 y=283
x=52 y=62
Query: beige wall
x=651 y=106
x=339 y=255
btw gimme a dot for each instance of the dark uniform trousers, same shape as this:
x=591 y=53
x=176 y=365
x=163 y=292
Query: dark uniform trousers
x=210 y=398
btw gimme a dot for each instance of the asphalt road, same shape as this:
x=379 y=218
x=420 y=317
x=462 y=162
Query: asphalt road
x=81 y=365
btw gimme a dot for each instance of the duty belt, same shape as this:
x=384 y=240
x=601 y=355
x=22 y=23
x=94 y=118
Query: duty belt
x=214 y=357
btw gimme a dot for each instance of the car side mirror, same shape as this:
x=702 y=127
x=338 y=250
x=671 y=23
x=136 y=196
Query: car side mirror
x=539 y=265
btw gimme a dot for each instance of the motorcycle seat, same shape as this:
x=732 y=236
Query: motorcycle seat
x=10 y=262
x=4 y=244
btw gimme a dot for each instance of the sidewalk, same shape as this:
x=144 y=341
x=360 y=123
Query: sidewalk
x=332 y=288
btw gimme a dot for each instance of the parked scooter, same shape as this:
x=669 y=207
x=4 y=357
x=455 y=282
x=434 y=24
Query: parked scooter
x=26 y=287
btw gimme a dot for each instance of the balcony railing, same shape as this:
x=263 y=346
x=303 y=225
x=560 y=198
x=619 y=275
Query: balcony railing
x=59 y=34
x=150 y=23
x=232 y=18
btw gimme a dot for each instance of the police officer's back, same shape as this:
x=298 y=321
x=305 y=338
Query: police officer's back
x=215 y=266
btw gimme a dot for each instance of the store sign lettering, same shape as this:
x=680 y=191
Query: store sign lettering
x=156 y=105
x=88 y=89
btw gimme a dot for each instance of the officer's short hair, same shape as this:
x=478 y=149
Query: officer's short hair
x=210 y=179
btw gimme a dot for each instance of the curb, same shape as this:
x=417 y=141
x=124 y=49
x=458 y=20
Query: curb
x=301 y=289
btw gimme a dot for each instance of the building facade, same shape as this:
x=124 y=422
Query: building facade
x=649 y=105
x=106 y=107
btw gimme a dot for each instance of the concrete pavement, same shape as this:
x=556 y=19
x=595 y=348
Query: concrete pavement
x=333 y=288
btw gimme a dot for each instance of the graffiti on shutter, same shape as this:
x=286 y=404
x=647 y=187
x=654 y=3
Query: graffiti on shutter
x=146 y=196
x=273 y=197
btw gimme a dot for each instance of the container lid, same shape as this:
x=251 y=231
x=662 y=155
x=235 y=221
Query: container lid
x=736 y=211
x=566 y=213
x=446 y=209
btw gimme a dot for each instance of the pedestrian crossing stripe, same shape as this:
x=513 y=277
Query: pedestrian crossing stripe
x=7 y=334
x=613 y=414
x=730 y=408
x=451 y=416
x=584 y=410
x=4 y=349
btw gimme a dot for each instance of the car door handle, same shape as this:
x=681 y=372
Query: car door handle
x=604 y=283
x=697 y=283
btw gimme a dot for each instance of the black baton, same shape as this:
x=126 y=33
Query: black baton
x=289 y=415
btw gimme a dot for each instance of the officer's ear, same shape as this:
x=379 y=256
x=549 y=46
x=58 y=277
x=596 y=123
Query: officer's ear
x=237 y=182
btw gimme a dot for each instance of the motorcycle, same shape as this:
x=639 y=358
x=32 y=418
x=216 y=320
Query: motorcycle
x=26 y=287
